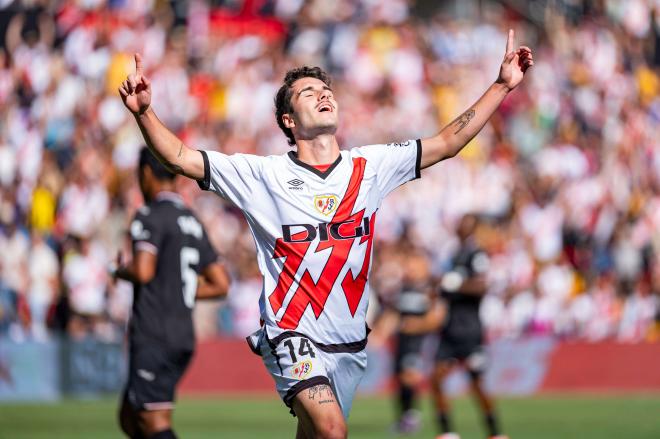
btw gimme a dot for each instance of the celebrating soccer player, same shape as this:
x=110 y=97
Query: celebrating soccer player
x=312 y=213
x=171 y=252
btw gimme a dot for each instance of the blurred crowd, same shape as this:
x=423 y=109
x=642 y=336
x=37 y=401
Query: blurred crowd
x=565 y=180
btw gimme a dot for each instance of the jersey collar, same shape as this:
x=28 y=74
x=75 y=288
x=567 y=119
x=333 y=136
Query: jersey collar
x=312 y=169
x=169 y=196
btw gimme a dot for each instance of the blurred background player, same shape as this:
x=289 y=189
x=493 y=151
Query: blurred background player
x=462 y=338
x=412 y=314
x=173 y=264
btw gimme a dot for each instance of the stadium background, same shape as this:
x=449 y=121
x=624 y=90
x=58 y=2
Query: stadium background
x=565 y=179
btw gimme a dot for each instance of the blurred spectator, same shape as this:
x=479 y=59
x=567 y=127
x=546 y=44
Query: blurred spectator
x=85 y=277
x=8 y=310
x=13 y=263
x=43 y=268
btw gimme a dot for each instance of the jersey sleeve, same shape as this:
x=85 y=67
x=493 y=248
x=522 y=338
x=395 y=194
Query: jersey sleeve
x=479 y=263
x=146 y=232
x=395 y=163
x=232 y=177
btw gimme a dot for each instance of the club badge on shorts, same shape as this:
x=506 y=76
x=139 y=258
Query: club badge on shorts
x=326 y=204
x=302 y=369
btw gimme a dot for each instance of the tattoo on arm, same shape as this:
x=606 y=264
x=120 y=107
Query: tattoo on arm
x=462 y=120
x=174 y=168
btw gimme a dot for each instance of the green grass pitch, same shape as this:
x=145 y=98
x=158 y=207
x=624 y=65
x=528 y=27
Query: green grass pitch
x=561 y=416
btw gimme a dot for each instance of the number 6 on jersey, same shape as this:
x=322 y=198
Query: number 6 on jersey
x=189 y=257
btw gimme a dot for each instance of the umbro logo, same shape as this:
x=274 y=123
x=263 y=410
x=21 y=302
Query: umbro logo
x=295 y=184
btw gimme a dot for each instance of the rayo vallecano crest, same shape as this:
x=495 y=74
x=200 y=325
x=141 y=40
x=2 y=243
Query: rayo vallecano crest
x=326 y=204
x=302 y=369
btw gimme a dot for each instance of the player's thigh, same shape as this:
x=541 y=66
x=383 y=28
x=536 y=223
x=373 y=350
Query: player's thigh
x=300 y=430
x=441 y=370
x=295 y=364
x=475 y=360
x=128 y=418
x=409 y=360
x=410 y=377
x=445 y=360
x=319 y=414
x=153 y=421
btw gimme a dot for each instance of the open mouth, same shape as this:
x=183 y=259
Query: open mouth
x=325 y=107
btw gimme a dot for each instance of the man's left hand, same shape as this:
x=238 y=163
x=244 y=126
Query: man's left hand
x=515 y=63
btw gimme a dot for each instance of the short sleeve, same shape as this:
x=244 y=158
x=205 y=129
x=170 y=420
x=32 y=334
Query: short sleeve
x=479 y=262
x=232 y=177
x=395 y=163
x=146 y=233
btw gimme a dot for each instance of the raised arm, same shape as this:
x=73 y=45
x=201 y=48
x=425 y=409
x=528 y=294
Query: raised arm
x=135 y=91
x=452 y=138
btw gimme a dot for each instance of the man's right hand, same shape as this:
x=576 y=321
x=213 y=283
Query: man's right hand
x=135 y=91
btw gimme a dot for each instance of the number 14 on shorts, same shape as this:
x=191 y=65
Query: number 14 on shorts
x=301 y=367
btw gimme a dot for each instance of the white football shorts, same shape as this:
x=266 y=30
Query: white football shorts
x=297 y=363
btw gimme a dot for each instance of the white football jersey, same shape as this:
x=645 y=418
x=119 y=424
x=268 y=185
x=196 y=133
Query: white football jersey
x=313 y=231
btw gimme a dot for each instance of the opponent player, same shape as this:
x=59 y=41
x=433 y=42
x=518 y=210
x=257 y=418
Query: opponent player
x=415 y=312
x=461 y=341
x=170 y=251
x=312 y=213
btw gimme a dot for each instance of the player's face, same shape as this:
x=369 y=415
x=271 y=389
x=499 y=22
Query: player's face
x=315 y=110
x=416 y=268
x=467 y=226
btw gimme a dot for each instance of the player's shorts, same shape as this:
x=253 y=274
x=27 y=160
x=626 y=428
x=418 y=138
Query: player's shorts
x=153 y=374
x=469 y=352
x=297 y=363
x=408 y=353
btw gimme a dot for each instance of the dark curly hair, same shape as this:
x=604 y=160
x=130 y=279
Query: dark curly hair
x=148 y=159
x=283 y=96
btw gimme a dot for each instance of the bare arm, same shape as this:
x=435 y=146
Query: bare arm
x=140 y=270
x=452 y=138
x=432 y=320
x=455 y=282
x=135 y=92
x=384 y=327
x=214 y=282
x=475 y=286
x=13 y=36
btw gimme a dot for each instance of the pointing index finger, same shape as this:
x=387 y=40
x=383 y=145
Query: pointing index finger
x=138 y=64
x=509 y=42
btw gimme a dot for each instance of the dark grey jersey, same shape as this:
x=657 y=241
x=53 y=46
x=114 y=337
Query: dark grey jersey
x=413 y=300
x=463 y=314
x=162 y=308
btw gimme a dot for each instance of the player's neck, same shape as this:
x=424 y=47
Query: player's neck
x=164 y=191
x=321 y=150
